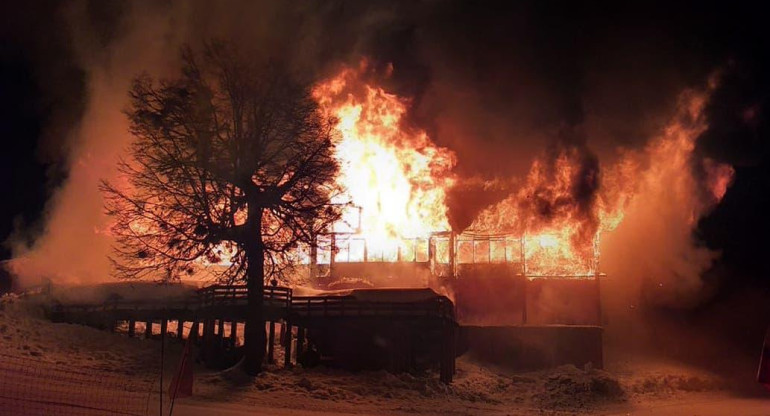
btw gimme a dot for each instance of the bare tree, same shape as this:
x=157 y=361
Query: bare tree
x=232 y=164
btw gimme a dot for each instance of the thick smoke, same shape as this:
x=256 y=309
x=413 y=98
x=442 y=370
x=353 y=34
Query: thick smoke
x=73 y=246
x=114 y=42
x=654 y=257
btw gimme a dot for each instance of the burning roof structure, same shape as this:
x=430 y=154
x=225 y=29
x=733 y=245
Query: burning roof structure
x=548 y=224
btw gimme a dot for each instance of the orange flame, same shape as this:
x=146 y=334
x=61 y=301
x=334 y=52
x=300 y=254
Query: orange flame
x=396 y=181
x=395 y=177
x=561 y=235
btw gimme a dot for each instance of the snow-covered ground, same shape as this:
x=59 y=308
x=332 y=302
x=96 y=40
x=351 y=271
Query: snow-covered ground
x=25 y=333
x=628 y=384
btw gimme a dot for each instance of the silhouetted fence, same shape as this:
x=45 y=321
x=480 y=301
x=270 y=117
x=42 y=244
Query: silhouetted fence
x=35 y=387
x=219 y=295
x=347 y=307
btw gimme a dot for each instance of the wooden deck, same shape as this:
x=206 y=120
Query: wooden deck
x=303 y=318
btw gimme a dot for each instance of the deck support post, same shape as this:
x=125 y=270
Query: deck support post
x=271 y=343
x=163 y=328
x=220 y=331
x=131 y=328
x=208 y=338
x=300 y=342
x=447 y=363
x=598 y=300
x=287 y=344
x=148 y=329
x=234 y=333
x=179 y=329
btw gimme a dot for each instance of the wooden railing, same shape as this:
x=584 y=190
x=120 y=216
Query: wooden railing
x=218 y=295
x=347 y=306
x=281 y=297
x=112 y=305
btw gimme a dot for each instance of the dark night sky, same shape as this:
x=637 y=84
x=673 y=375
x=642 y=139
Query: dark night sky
x=570 y=50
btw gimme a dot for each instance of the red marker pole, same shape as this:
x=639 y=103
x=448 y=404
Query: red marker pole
x=162 y=357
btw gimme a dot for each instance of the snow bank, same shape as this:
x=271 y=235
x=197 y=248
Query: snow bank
x=476 y=390
x=24 y=332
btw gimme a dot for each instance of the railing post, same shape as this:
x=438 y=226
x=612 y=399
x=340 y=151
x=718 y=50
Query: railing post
x=131 y=328
x=598 y=300
x=289 y=295
x=452 y=254
x=180 y=329
x=163 y=327
x=148 y=329
x=525 y=285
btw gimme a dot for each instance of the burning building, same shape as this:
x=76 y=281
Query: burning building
x=530 y=259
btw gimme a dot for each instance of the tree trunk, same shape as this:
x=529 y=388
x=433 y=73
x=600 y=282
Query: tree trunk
x=254 y=334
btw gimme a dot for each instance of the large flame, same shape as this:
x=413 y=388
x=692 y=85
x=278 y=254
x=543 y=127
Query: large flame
x=396 y=180
x=554 y=214
x=561 y=228
x=395 y=177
